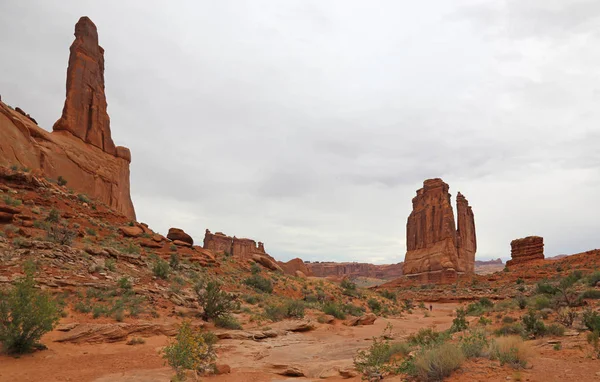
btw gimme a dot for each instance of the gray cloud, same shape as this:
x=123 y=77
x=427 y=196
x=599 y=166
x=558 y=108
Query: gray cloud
x=309 y=125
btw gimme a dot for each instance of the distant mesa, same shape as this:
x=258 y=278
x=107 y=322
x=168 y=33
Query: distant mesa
x=437 y=251
x=527 y=249
x=80 y=148
x=353 y=269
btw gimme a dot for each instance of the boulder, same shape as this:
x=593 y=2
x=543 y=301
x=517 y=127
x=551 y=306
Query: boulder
x=6 y=218
x=178 y=234
x=182 y=243
x=266 y=262
x=150 y=244
x=131 y=231
x=367 y=319
x=222 y=369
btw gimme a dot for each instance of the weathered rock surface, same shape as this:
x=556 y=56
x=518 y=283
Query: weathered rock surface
x=436 y=250
x=179 y=234
x=80 y=149
x=94 y=333
x=326 y=269
x=293 y=266
x=367 y=319
x=131 y=231
x=526 y=249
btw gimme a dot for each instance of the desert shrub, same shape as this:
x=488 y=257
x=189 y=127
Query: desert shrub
x=227 y=321
x=26 y=313
x=439 y=362
x=474 y=344
x=347 y=284
x=60 y=234
x=520 y=281
x=275 y=312
x=353 y=310
x=161 y=269
x=90 y=231
x=251 y=299
x=135 y=341
x=124 y=283
x=591 y=294
x=521 y=302
x=591 y=320
x=533 y=325
x=484 y=321
x=294 y=309
x=82 y=307
x=83 y=198
x=511 y=351
x=373 y=363
x=593 y=278
x=544 y=287
x=53 y=216
x=427 y=337
x=131 y=248
x=61 y=181
x=566 y=316
x=259 y=283
x=334 y=309
x=541 y=302
x=508 y=320
x=191 y=350
x=459 y=323
x=11 y=202
x=555 y=330
x=486 y=302
x=408 y=305
x=374 y=305
x=174 y=261
x=255 y=268
x=475 y=309
x=110 y=264
x=388 y=294
x=510 y=329
x=214 y=301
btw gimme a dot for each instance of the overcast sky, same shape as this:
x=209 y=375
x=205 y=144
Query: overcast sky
x=309 y=125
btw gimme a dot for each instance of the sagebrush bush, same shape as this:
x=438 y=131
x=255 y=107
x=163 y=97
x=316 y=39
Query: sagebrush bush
x=511 y=351
x=60 y=234
x=373 y=363
x=533 y=325
x=334 y=309
x=460 y=322
x=566 y=316
x=26 y=313
x=437 y=363
x=227 y=321
x=161 y=269
x=591 y=319
x=510 y=329
x=374 y=305
x=426 y=337
x=259 y=283
x=214 y=301
x=191 y=350
x=474 y=344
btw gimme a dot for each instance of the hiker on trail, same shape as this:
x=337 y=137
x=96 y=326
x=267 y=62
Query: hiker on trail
x=430 y=307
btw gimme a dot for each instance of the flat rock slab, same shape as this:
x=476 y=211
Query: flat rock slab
x=94 y=333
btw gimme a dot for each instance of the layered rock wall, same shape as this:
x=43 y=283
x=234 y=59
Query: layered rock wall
x=527 y=249
x=341 y=270
x=436 y=250
x=80 y=149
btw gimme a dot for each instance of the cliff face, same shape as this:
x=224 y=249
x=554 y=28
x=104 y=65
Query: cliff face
x=436 y=250
x=326 y=269
x=80 y=149
x=526 y=249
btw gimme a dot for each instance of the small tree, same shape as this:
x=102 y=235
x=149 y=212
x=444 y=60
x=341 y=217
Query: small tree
x=214 y=301
x=25 y=315
x=460 y=322
x=190 y=351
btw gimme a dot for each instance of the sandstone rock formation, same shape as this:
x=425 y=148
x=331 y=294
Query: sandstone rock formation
x=177 y=234
x=341 y=270
x=241 y=248
x=80 y=148
x=526 y=249
x=294 y=266
x=436 y=250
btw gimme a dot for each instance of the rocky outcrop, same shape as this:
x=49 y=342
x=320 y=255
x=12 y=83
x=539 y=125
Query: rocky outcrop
x=341 y=270
x=177 y=234
x=80 y=148
x=240 y=248
x=436 y=250
x=294 y=266
x=529 y=248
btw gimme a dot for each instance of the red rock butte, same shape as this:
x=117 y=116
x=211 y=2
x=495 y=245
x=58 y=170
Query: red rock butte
x=80 y=148
x=527 y=249
x=437 y=251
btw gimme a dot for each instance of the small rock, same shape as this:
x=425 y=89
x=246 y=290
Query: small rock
x=131 y=231
x=222 y=369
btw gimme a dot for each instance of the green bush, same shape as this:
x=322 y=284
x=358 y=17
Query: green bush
x=591 y=320
x=566 y=316
x=439 y=362
x=388 y=294
x=521 y=302
x=227 y=321
x=161 y=269
x=373 y=363
x=533 y=325
x=124 y=283
x=460 y=322
x=26 y=314
x=555 y=330
x=508 y=320
x=541 y=302
x=61 y=181
x=593 y=278
x=110 y=264
x=476 y=309
x=255 y=268
x=591 y=294
x=427 y=337
x=474 y=344
x=275 y=312
x=511 y=351
x=251 y=299
x=347 y=284
x=214 y=301
x=294 y=309
x=486 y=302
x=60 y=234
x=53 y=216
x=353 y=310
x=544 y=287
x=260 y=283
x=334 y=310
x=374 y=305
x=191 y=350
x=510 y=329
x=83 y=198
x=174 y=261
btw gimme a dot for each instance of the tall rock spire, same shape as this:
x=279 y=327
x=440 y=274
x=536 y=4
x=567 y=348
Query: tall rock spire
x=436 y=250
x=84 y=114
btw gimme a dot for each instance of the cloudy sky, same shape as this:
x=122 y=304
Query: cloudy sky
x=309 y=125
